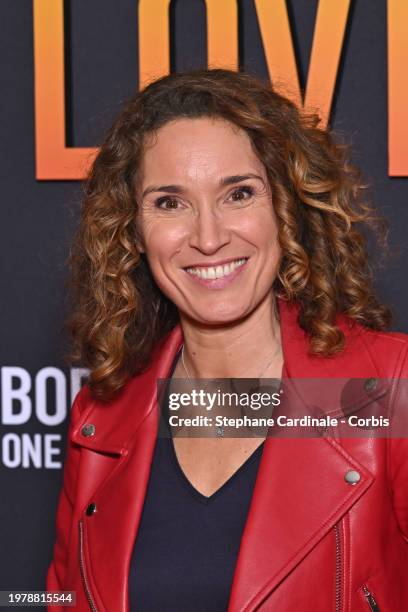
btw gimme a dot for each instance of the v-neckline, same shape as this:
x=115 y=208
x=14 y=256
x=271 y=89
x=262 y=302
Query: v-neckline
x=206 y=499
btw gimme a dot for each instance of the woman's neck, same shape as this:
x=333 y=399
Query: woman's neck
x=251 y=348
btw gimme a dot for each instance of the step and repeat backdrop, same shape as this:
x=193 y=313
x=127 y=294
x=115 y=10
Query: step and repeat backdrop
x=66 y=67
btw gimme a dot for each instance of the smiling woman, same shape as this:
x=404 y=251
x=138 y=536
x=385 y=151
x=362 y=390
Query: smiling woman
x=221 y=238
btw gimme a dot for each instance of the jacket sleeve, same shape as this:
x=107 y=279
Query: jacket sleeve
x=398 y=451
x=56 y=574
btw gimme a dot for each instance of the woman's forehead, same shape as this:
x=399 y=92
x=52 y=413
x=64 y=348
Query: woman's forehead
x=193 y=149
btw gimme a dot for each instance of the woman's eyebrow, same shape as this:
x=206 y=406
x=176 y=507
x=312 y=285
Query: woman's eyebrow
x=227 y=180
x=237 y=178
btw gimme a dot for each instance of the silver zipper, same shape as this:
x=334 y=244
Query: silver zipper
x=84 y=579
x=370 y=600
x=338 y=567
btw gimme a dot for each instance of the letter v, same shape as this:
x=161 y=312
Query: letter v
x=325 y=56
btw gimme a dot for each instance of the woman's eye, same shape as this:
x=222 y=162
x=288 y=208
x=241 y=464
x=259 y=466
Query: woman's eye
x=242 y=193
x=163 y=200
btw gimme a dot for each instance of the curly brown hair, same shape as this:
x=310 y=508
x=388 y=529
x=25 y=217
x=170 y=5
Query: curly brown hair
x=118 y=313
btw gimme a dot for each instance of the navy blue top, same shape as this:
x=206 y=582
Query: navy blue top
x=187 y=544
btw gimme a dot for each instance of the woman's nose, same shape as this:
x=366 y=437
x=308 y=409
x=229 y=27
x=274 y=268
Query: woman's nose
x=209 y=232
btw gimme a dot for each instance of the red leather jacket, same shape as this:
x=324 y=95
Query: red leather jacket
x=311 y=541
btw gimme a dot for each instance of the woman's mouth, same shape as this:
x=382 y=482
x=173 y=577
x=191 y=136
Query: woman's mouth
x=217 y=276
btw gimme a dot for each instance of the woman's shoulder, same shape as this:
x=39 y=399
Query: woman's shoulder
x=388 y=349
x=388 y=339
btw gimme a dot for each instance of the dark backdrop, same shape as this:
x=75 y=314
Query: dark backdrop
x=38 y=217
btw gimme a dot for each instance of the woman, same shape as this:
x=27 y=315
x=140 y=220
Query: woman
x=220 y=239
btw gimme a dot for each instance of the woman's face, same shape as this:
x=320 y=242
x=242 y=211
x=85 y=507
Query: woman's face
x=207 y=220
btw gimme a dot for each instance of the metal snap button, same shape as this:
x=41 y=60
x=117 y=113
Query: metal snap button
x=91 y=509
x=370 y=384
x=88 y=430
x=352 y=477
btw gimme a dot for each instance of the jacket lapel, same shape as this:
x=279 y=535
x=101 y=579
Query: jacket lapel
x=300 y=492
x=117 y=422
x=116 y=466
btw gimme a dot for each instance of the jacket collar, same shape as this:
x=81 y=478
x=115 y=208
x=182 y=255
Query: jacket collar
x=116 y=422
x=354 y=361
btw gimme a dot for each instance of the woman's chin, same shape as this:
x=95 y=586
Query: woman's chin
x=217 y=318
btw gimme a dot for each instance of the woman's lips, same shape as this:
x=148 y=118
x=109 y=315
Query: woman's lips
x=218 y=283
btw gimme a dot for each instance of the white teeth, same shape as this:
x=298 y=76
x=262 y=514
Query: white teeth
x=216 y=272
x=219 y=271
